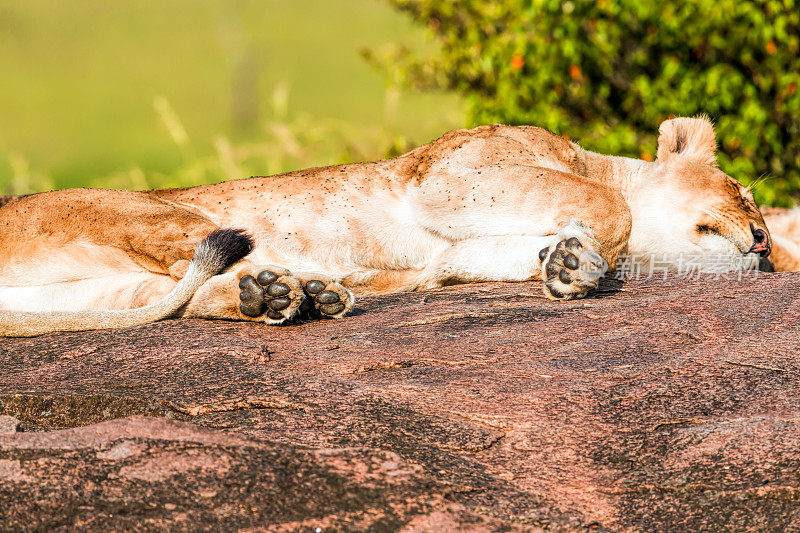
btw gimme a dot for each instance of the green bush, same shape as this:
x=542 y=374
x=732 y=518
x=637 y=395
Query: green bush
x=607 y=72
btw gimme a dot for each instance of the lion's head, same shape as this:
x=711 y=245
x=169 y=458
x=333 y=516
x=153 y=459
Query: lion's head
x=688 y=209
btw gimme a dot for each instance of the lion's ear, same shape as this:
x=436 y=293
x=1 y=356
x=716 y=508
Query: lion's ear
x=690 y=137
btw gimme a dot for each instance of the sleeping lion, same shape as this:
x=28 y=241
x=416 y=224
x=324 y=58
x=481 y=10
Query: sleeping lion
x=495 y=203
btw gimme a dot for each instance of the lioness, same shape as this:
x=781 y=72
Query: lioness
x=494 y=203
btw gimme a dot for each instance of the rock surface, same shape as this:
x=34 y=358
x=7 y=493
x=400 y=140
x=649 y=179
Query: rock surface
x=653 y=405
x=9 y=424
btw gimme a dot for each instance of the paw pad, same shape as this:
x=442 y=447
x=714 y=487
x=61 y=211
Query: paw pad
x=251 y=297
x=570 y=269
x=266 y=277
x=279 y=304
x=278 y=289
x=571 y=262
x=329 y=302
x=273 y=294
x=265 y=293
x=315 y=286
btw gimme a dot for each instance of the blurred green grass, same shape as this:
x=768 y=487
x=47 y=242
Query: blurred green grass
x=175 y=92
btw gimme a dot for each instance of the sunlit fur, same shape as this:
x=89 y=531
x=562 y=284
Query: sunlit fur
x=475 y=205
x=785 y=227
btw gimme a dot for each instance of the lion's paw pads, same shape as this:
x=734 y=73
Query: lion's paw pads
x=275 y=295
x=327 y=297
x=571 y=268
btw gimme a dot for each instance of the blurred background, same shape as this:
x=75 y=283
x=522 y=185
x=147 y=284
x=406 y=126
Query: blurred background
x=141 y=94
x=157 y=93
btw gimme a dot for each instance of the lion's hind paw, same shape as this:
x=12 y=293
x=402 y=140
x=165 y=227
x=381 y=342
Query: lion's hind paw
x=275 y=295
x=272 y=294
x=571 y=266
x=325 y=296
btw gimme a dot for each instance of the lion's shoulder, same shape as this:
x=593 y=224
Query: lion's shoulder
x=494 y=145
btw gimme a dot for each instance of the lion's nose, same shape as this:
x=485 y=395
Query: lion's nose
x=761 y=244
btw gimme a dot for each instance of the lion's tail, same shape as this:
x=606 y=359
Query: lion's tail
x=216 y=252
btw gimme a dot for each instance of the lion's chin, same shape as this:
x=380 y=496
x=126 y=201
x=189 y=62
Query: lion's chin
x=724 y=254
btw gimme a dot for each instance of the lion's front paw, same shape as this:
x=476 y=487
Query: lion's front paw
x=270 y=294
x=571 y=266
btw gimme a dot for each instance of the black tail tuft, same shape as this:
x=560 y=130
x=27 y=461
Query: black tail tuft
x=228 y=245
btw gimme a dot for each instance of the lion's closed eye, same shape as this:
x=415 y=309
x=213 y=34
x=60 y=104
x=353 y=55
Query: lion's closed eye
x=705 y=229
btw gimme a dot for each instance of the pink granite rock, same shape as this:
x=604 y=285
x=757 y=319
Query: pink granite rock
x=653 y=405
x=9 y=424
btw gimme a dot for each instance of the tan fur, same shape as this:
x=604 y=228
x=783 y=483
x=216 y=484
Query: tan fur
x=475 y=205
x=785 y=227
x=206 y=264
x=689 y=137
x=5 y=199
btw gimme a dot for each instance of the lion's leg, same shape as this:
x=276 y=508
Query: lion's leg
x=516 y=222
x=90 y=249
x=74 y=233
x=567 y=262
x=247 y=292
x=573 y=250
x=490 y=258
x=496 y=258
x=269 y=294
